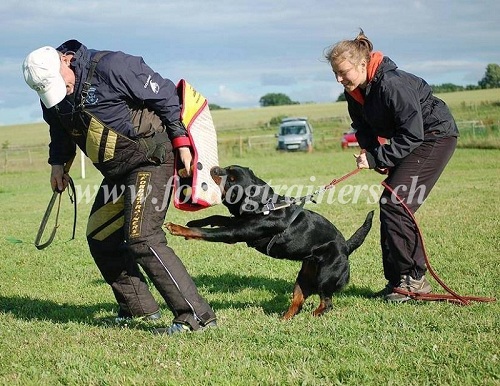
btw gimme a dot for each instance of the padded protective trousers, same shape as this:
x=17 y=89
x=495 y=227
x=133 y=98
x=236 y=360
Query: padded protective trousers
x=125 y=231
x=412 y=180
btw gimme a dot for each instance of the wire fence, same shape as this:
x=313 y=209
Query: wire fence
x=15 y=159
x=30 y=158
x=33 y=158
x=472 y=128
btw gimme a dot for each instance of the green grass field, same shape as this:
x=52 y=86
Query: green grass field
x=56 y=313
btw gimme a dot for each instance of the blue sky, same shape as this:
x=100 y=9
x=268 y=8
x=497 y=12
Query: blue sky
x=236 y=51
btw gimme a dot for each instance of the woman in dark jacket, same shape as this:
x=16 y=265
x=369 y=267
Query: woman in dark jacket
x=387 y=102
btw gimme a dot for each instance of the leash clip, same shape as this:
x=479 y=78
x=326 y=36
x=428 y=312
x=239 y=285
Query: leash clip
x=269 y=206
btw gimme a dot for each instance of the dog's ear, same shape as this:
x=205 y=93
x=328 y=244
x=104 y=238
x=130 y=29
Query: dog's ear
x=244 y=192
x=255 y=180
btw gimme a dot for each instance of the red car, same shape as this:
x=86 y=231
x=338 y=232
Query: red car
x=349 y=139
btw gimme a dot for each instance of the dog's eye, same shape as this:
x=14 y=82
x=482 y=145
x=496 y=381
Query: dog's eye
x=232 y=178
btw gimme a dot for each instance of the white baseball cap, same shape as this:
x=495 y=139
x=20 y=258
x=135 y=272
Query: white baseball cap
x=42 y=72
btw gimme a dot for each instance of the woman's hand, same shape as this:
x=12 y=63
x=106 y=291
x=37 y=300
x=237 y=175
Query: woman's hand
x=361 y=161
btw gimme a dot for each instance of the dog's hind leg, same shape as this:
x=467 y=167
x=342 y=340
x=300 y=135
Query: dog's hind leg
x=333 y=274
x=305 y=285
x=298 y=300
x=325 y=304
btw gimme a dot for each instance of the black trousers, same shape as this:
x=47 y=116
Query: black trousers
x=412 y=180
x=125 y=232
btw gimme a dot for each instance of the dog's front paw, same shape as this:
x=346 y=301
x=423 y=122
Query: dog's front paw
x=179 y=230
x=174 y=229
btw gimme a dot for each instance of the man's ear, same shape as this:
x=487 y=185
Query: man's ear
x=66 y=59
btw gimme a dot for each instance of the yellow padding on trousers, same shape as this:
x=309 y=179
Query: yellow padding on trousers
x=102 y=217
x=93 y=144
x=109 y=230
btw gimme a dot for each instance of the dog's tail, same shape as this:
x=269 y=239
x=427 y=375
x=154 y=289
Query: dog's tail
x=359 y=236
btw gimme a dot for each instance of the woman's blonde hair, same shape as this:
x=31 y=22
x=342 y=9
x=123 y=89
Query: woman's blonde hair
x=352 y=50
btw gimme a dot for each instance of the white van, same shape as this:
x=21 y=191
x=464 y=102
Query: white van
x=295 y=134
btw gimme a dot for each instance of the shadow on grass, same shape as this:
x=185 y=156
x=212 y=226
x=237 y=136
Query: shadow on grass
x=28 y=308
x=230 y=283
x=280 y=289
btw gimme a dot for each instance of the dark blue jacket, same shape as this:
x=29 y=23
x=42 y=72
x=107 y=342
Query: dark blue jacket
x=401 y=107
x=120 y=82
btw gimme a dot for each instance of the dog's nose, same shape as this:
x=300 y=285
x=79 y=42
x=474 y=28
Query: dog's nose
x=217 y=171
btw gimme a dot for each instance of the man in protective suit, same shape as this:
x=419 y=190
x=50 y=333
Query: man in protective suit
x=126 y=118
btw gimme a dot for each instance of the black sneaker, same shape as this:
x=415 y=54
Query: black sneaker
x=125 y=316
x=410 y=285
x=179 y=328
x=212 y=324
x=174 y=329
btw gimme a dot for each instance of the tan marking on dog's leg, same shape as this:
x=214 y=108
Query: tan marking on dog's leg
x=298 y=300
x=324 y=305
x=179 y=230
x=302 y=289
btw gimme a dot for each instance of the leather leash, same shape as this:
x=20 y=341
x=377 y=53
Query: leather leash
x=300 y=205
x=55 y=195
x=335 y=181
x=451 y=296
x=332 y=183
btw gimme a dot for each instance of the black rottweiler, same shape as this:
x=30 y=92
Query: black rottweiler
x=279 y=227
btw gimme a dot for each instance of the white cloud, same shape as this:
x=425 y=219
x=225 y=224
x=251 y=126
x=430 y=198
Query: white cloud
x=227 y=97
x=253 y=47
